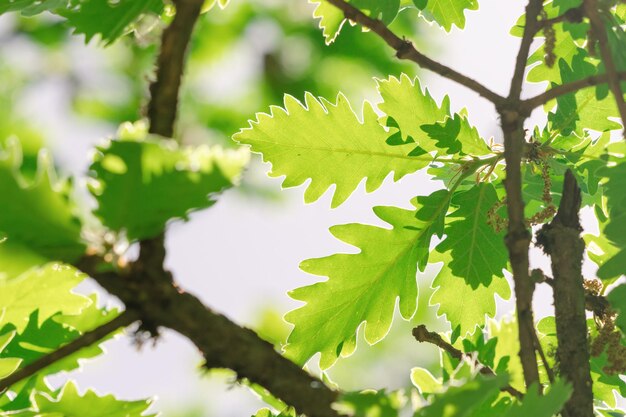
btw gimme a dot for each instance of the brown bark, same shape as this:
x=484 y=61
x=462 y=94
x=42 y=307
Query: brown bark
x=561 y=240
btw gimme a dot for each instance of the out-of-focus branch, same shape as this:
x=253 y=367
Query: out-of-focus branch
x=85 y=340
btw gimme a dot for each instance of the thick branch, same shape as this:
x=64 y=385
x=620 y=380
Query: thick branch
x=597 y=26
x=572 y=87
x=85 y=340
x=223 y=343
x=406 y=50
x=422 y=335
x=518 y=241
x=561 y=240
x=532 y=26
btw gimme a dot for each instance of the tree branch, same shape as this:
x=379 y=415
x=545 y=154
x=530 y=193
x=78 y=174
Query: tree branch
x=85 y=340
x=222 y=343
x=561 y=240
x=518 y=237
x=561 y=90
x=422 y=335
x=533 y=8
x=598 y=29
x=406 y=50
x=163 y=105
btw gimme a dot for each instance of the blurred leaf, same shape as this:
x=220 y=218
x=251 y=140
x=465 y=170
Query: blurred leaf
x=47 y=289
x=140 y=185
x=38 y=214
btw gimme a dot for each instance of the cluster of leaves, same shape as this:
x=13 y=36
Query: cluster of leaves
x=39 y=310
x=327 y=144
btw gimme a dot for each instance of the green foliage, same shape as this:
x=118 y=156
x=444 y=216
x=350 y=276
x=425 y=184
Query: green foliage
x=617 y=297
x=141 y=184
x=46 y=289
x=372 y=403
x=446 y=13
x=327 y=143
x=70 y=403
x=477 y=251
x=90 y=17
x=49 y=226
x=614 y=229
x=361 y=288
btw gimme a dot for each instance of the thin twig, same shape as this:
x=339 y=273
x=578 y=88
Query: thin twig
x=544 y=359
x=597 y=26
x=423 y=335
x=406 y=50
x=530 y=29
x=571 y=87
x=83 y=341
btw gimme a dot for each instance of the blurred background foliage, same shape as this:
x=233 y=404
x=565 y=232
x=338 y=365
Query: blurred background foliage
x=243 y=59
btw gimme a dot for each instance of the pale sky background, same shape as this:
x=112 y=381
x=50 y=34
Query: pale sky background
x=241 y=255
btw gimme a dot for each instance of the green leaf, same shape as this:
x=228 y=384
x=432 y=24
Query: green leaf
x=47 y=289
x=425 y=382
x=546 y=405
x=331 y=19
x=266 y=412
x=507 y=349
x=37 y=214
x=464 y=400
x=362 y=287
x=583 y=109
x=410 y=108
x=108 y=19
x=386 y=10
x=465 y=307
x=446 y=12
x=617 y=298
x=477 y=251
x=70 y=403
x=603 y=385
x=327 y=143
x=38 y=339
x=140 y=185
x=371 y=403
x=614 y=229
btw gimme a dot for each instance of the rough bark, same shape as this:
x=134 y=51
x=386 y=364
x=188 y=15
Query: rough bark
x=561 y=240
